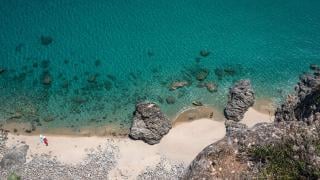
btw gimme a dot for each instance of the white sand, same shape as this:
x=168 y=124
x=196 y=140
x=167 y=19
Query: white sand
x=182 y=144
x=253 y=117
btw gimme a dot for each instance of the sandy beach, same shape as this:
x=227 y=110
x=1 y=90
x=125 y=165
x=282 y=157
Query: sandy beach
x=185 y=140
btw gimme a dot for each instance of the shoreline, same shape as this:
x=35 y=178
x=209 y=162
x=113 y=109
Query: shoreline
x=181 y=145
x=187 y=114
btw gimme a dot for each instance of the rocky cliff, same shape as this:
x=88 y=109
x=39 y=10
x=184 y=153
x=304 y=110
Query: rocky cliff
x=287 y=148
x=304 y=105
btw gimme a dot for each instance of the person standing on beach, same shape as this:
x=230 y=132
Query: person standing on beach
x=45 y=140
x=41 y=138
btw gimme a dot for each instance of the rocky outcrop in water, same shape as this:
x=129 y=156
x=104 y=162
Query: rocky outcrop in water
x=14 y=157
x=241 y=97
x=304 y=105
x=149 y=123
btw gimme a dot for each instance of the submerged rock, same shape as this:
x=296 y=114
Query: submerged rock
x=46 y=78
x=19 y=47
x=202 y=74
x=2 y=70
x=107 y=85
x=48 y=118
x=170 y=100
x=149 y=123
x=14 y=157
x=92 y=78
x=229 y=70
x=314 y=67
x=178 y=84
x=211 y=87
x=79 y=99
x=45 y=64
x=46 y=40
x=97 y=63
x=150 y=53
x=241 y=97
x=204 y=53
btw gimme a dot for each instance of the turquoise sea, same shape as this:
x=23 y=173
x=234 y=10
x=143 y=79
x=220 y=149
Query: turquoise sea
x=73 y=63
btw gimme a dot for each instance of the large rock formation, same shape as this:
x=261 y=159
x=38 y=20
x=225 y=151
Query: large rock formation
x=233 y=157
x=14 y=157
x=149 y=123
x=241 y=97
x=304 y=105
x=289 y=147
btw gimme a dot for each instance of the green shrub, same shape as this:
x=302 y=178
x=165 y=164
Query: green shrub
x=13 y=176
x=281 y=161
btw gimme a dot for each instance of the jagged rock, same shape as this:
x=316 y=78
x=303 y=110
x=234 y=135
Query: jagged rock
x=241 y=97
x=149 y=123
x=202 y=74
x=170 y=100
x=178 y=84
x=14 y=157
x=304 y=104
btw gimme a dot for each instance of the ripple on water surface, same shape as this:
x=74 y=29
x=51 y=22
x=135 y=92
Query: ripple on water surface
x=80 y=63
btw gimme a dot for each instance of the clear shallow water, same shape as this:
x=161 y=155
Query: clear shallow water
x=135 y=49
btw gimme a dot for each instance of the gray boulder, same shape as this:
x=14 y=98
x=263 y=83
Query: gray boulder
x=241 y=97
x=14 y=157
x=149 y=123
